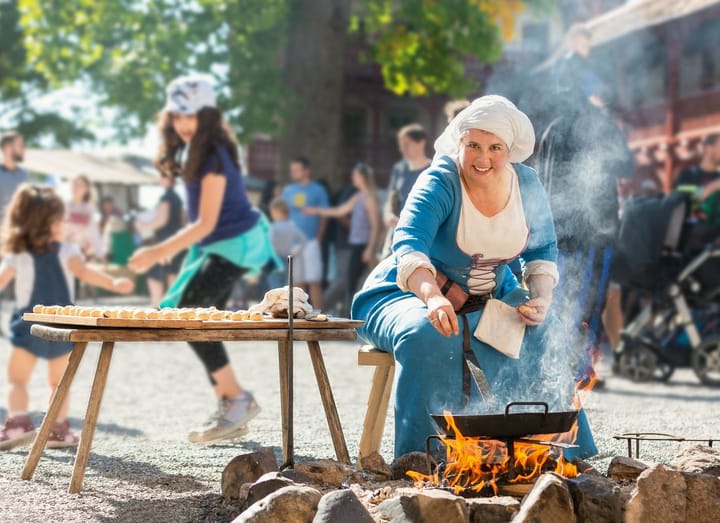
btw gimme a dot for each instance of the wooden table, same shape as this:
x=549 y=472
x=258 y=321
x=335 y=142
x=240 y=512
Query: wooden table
x=312 y=332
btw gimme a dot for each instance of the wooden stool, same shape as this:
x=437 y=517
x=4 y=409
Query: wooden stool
x=382 y=382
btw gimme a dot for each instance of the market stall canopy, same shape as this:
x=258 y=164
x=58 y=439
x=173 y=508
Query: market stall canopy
x=640 y=14
x=67 y=164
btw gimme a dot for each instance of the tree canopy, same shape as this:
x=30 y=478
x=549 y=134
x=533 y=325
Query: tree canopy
x=127 y=50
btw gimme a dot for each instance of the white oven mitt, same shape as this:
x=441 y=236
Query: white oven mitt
x=501 y=328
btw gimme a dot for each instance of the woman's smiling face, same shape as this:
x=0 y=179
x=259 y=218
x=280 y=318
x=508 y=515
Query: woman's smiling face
x=482 y=153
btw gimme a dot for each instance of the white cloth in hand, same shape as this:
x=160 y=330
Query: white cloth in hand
x=501 y=328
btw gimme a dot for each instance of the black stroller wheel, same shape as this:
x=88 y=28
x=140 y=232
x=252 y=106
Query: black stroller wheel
x=641 y=363
x=705 y=360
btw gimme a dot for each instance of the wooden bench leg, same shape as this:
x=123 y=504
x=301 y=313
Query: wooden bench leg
x=285 y=363
x=338 y=438
x=91 y=417
x=56 y=402
x=374 y=423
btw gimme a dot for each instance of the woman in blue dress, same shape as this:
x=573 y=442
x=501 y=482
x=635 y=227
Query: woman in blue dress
x=475 y=209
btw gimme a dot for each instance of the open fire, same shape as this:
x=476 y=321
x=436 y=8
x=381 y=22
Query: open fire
x=478 y=465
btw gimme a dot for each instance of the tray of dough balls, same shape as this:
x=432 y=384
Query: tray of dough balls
x=177 y=318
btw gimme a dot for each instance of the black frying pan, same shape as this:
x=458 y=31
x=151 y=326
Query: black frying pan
x=506 y=426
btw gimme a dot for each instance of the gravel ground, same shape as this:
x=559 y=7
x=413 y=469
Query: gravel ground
x=142 y=469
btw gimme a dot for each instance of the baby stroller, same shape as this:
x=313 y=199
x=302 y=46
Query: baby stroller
x=668 y=261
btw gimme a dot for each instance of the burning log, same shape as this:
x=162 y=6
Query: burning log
x=478 y=466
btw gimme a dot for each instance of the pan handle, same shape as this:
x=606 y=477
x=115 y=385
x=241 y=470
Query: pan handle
x=526 y=403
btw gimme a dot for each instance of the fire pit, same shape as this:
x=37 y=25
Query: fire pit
x=485 y=452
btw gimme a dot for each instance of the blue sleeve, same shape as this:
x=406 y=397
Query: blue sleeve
x=542 y=242
x=429 y=204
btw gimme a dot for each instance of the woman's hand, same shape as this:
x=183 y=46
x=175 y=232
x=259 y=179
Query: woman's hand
x=534 y=311
x=146 y=257
x=442 y=316
x=123 y=285
x=310 y=211
x=368 y=256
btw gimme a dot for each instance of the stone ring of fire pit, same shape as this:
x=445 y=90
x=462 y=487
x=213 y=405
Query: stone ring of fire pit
x=510 y=425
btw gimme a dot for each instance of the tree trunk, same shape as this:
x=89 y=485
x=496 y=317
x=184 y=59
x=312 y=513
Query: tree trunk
x=314 y=67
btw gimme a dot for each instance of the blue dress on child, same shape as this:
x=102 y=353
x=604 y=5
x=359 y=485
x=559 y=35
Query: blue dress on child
x=49 y=288
x=429 y=365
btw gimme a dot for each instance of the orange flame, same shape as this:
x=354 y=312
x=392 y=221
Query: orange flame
x=473 y=463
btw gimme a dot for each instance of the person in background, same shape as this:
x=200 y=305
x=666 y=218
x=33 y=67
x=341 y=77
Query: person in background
x=336 y=298
x=363 y=210
x=108 y=212
x=169 y=217
x=43 y=267
x=11 y=175
x=705 y=176
x=226 y=237
x=81 y=223
x=453 y=108
x=305 y=192
x=412 y=141
x=286 y=239
x=575 y=75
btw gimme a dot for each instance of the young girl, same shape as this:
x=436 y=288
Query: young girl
x=44 y=269
x=364 y=223
x=82 y=227
x=226 y=236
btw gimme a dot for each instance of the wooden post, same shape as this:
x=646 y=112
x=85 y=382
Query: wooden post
x=91 y=416
x=56 y=402
x=338 y=438
x=374 y=424
x=286 y=406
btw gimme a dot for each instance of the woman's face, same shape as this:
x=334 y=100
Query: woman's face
x=357 y=179
x=482 y=154
x=79 y=190
x=185 y=125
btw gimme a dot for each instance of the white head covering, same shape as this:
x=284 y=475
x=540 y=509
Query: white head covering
x=494 y=114
x=189 y=94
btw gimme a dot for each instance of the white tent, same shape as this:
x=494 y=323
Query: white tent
x=66 y=164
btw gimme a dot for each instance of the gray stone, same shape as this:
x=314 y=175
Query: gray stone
x=296 y=476
x=698 y=459
x=596 y=499
x=660 y=495
x=375 y=464
x=703 y=498
x=296 y=504
x=341 y=505
x=246 y=468
x=326 y=471
x=622 y=468
x=416 y=461
x=497 y=509
x=266 y=484
x=427 y=506
x=548 y=502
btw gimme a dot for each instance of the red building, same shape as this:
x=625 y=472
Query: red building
x=664 y=56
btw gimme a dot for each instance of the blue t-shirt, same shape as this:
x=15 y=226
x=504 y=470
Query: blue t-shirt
x=237 y=215
x=309 y=195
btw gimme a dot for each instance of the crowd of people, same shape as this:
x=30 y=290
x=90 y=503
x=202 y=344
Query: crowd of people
x=466 y=241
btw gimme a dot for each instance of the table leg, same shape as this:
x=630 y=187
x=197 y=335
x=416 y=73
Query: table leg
x=326 y=394
x=56 y=402
x=285 y=360
x=91 y=417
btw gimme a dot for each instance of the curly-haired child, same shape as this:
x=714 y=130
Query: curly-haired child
x=44 y=269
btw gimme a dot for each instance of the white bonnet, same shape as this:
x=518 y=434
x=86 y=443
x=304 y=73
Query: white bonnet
x=494 y=114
